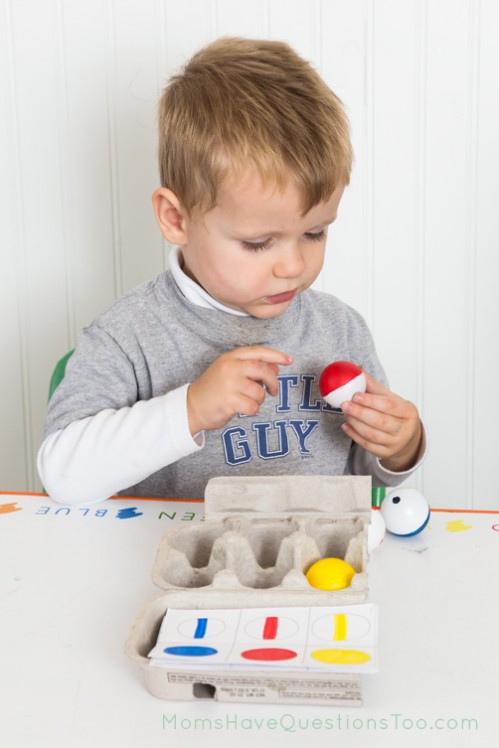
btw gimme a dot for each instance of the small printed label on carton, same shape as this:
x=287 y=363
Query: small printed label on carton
x=241 y=687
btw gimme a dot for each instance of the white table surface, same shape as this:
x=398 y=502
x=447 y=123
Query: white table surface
x=71 y=582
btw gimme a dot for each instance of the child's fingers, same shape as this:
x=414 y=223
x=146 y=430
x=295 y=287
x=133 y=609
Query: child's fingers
x=381 y=443
x=369 y=436
x=384 y=424
x=237 y=382
x=261 y=353
x=264 y=374
x=372 y=385
x=379 y=412
x=260 y=364
x=380 y=399
x=398 y=452
x=247 y=405
x=252 y=390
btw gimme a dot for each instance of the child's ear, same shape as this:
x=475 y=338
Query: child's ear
x=170 y=216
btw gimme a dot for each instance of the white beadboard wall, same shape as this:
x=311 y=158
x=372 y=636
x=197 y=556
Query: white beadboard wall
x=416 y=245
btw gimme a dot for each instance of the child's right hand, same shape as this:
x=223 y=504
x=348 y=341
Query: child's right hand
x=236 y=382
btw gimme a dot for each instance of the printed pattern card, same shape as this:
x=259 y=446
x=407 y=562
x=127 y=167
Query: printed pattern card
x=339 y=639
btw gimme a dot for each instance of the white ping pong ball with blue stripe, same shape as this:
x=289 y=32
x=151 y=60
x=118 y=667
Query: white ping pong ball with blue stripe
x=340 y=381
x=405 y=511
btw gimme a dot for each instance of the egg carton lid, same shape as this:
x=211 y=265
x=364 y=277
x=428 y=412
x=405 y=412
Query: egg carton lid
x=231 y=683
x=317 y=496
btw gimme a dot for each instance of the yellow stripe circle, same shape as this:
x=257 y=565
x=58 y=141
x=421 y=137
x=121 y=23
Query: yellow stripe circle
x=341 y=656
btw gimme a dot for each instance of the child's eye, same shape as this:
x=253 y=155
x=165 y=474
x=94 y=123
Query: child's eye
x=267 y=243
x=255 y=246
x=318 y=236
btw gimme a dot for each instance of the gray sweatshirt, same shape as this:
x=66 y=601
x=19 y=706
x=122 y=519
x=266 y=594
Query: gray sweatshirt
x=131 y=367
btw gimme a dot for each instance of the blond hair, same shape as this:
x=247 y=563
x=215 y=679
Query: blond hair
x=241 y=105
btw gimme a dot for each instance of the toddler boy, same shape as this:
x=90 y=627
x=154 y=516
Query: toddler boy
x=212 y=368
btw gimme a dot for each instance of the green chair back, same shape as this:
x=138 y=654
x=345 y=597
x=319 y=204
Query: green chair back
x=58 y=373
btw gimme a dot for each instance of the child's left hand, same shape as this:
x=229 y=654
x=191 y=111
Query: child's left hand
x=384 y=424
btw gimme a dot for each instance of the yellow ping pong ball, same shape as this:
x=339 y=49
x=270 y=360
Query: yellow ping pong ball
x=330 y=574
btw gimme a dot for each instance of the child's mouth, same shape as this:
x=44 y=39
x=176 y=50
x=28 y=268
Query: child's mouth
x=280 y=298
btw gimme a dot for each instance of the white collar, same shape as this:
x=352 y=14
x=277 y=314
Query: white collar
x=192 y=290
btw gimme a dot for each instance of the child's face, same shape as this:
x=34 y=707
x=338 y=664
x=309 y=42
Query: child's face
x=254 y=252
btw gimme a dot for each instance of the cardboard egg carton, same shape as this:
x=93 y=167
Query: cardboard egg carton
x=260 y=536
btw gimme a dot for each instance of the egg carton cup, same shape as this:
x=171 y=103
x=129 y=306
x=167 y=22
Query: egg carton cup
x=259 y=537
x=262 y=534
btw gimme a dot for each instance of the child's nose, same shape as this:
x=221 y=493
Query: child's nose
x=290 y=263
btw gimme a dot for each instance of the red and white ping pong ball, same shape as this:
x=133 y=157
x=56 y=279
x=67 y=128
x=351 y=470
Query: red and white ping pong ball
x=340 y=381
